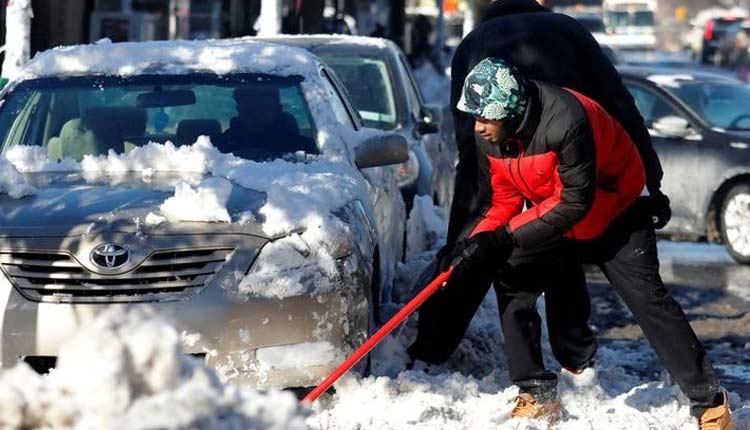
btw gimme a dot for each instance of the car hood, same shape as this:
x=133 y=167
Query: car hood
x=68 y=204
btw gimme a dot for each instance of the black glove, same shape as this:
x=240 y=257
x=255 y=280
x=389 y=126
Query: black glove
x=483 y=251
x=661 y=213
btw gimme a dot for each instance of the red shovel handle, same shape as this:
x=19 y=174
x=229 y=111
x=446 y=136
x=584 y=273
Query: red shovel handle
x=397 y=319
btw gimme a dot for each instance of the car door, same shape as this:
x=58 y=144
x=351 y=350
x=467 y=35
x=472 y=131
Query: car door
x=390 y=212
x=680 y=158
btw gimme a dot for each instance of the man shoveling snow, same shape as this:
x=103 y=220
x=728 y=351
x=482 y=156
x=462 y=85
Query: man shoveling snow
x=561 y=151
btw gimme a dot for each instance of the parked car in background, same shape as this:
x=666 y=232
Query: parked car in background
x=732 y=48
x=380 y=83
x=707 y=28
x=700 y=125
x=272 y=270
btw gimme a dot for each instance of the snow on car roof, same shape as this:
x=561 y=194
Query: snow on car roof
x=371 y=42
x=171 y=57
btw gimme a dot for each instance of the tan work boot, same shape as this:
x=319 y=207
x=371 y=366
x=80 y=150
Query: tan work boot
x=717 y=418
x=528 y=407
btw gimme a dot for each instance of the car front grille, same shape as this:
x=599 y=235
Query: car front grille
x=59 y=278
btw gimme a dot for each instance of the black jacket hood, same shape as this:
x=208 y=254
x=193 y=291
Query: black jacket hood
x=509 y=7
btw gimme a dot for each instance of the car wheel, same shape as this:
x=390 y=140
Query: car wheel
x=735 y=222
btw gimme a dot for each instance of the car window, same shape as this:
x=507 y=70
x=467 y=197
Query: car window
x=651 y=106
x=720 y=104
x=253 y=116
x=339 y=108
x=368 y=84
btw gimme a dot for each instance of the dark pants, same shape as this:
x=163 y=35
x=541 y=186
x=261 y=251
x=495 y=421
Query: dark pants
x=627 y=255
x=444 y=318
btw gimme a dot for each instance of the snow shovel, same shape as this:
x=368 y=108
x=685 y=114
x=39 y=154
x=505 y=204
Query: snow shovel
x=440 y=281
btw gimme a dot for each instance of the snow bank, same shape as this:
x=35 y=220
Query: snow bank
x=12 y=182
x=127 y=371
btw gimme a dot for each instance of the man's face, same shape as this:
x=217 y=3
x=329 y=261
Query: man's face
x=490 y=129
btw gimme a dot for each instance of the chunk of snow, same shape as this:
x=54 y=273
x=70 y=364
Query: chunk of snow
x=12 y=182
x=127 y=371
x=153 y=220
x=206 y=202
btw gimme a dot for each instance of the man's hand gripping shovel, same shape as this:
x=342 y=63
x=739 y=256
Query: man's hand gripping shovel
x=440 y=281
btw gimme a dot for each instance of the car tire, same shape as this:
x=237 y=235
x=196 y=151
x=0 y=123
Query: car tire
x=734 y=222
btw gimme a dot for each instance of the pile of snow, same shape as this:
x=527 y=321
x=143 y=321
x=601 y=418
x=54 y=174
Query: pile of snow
x=127 y=371
x=12 y=182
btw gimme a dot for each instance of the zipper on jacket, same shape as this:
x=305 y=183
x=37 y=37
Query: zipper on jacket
x=520 y=175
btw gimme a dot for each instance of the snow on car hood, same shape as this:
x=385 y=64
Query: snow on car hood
x=299 y=195
x=126 y=370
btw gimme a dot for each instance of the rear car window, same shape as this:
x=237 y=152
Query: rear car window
x=368 y=83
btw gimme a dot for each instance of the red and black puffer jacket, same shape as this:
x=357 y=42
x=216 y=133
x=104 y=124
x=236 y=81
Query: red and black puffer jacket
x=570 y=159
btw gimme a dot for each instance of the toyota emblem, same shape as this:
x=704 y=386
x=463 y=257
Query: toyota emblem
x=110 y=256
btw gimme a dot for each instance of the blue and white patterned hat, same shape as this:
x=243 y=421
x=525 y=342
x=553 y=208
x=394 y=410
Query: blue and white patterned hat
x=494 y=90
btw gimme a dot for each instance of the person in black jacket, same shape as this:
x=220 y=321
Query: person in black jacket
x=581 y=177
x=553 y=48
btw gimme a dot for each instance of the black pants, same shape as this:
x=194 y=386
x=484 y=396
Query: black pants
x=446 y=315
x=627 y=255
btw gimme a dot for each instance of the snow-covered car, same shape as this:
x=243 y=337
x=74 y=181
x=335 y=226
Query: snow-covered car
x=700 y=126
x=382 y=88
x=227 y=184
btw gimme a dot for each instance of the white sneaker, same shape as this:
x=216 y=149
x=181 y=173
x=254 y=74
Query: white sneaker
x=585 y=378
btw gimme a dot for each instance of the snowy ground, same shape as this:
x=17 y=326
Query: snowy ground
x=127 y=371
x=472 y=390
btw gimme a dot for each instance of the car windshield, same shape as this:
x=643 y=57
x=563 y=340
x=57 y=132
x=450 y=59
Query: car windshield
x=720 y=104
x=254 y=116
x=369 y=86
x=643 y=18
x=640 y=18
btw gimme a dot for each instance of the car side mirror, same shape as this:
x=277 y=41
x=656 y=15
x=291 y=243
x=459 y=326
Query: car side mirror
x=383 y=150
x=673 y=126
x=429 y=122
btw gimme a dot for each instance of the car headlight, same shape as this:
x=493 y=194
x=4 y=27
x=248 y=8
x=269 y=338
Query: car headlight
x=307 y=263
x=408 y=171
